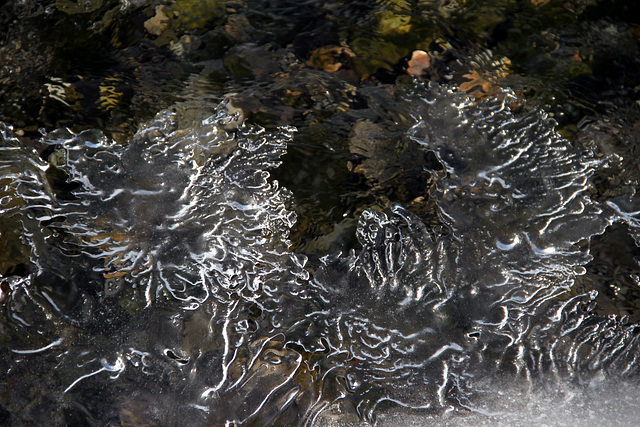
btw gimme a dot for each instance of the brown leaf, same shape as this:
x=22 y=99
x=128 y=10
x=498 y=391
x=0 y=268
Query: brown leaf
x=478 y=86
x=156 y=25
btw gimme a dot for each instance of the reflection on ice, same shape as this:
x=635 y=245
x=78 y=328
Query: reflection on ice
x=508 y=246
x=116 y=369
x=39 y=350
x=167 y=212
x=514 y=403
x=158 y=286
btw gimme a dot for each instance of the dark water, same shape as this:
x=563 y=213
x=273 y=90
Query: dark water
x=224 y=213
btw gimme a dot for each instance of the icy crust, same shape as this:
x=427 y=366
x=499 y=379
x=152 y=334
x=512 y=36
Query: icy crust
x=160 y=290
x=180 y=210
x=514 y=196
x=420 y=322
x=512 y=184
x=159 y=269
x=392 y=333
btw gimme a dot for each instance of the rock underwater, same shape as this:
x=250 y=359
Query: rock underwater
x=157 y=284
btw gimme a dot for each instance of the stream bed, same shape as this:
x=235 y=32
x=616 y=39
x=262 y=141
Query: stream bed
x=273 y=213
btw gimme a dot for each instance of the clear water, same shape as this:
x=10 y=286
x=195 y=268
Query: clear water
x=160 y=287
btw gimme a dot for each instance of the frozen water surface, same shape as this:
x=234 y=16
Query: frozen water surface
x=159 y=286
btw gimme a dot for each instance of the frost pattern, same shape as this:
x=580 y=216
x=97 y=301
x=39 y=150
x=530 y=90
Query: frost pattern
x=160 y=287
x=159 y=259
x=188 y=212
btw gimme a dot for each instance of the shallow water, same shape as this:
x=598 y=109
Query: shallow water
x=436 y=252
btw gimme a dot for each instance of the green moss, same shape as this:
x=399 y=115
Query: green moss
x=576 y=68
x=376 y=53
x=197 y=15
x=72 y=7
x=393 y=23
